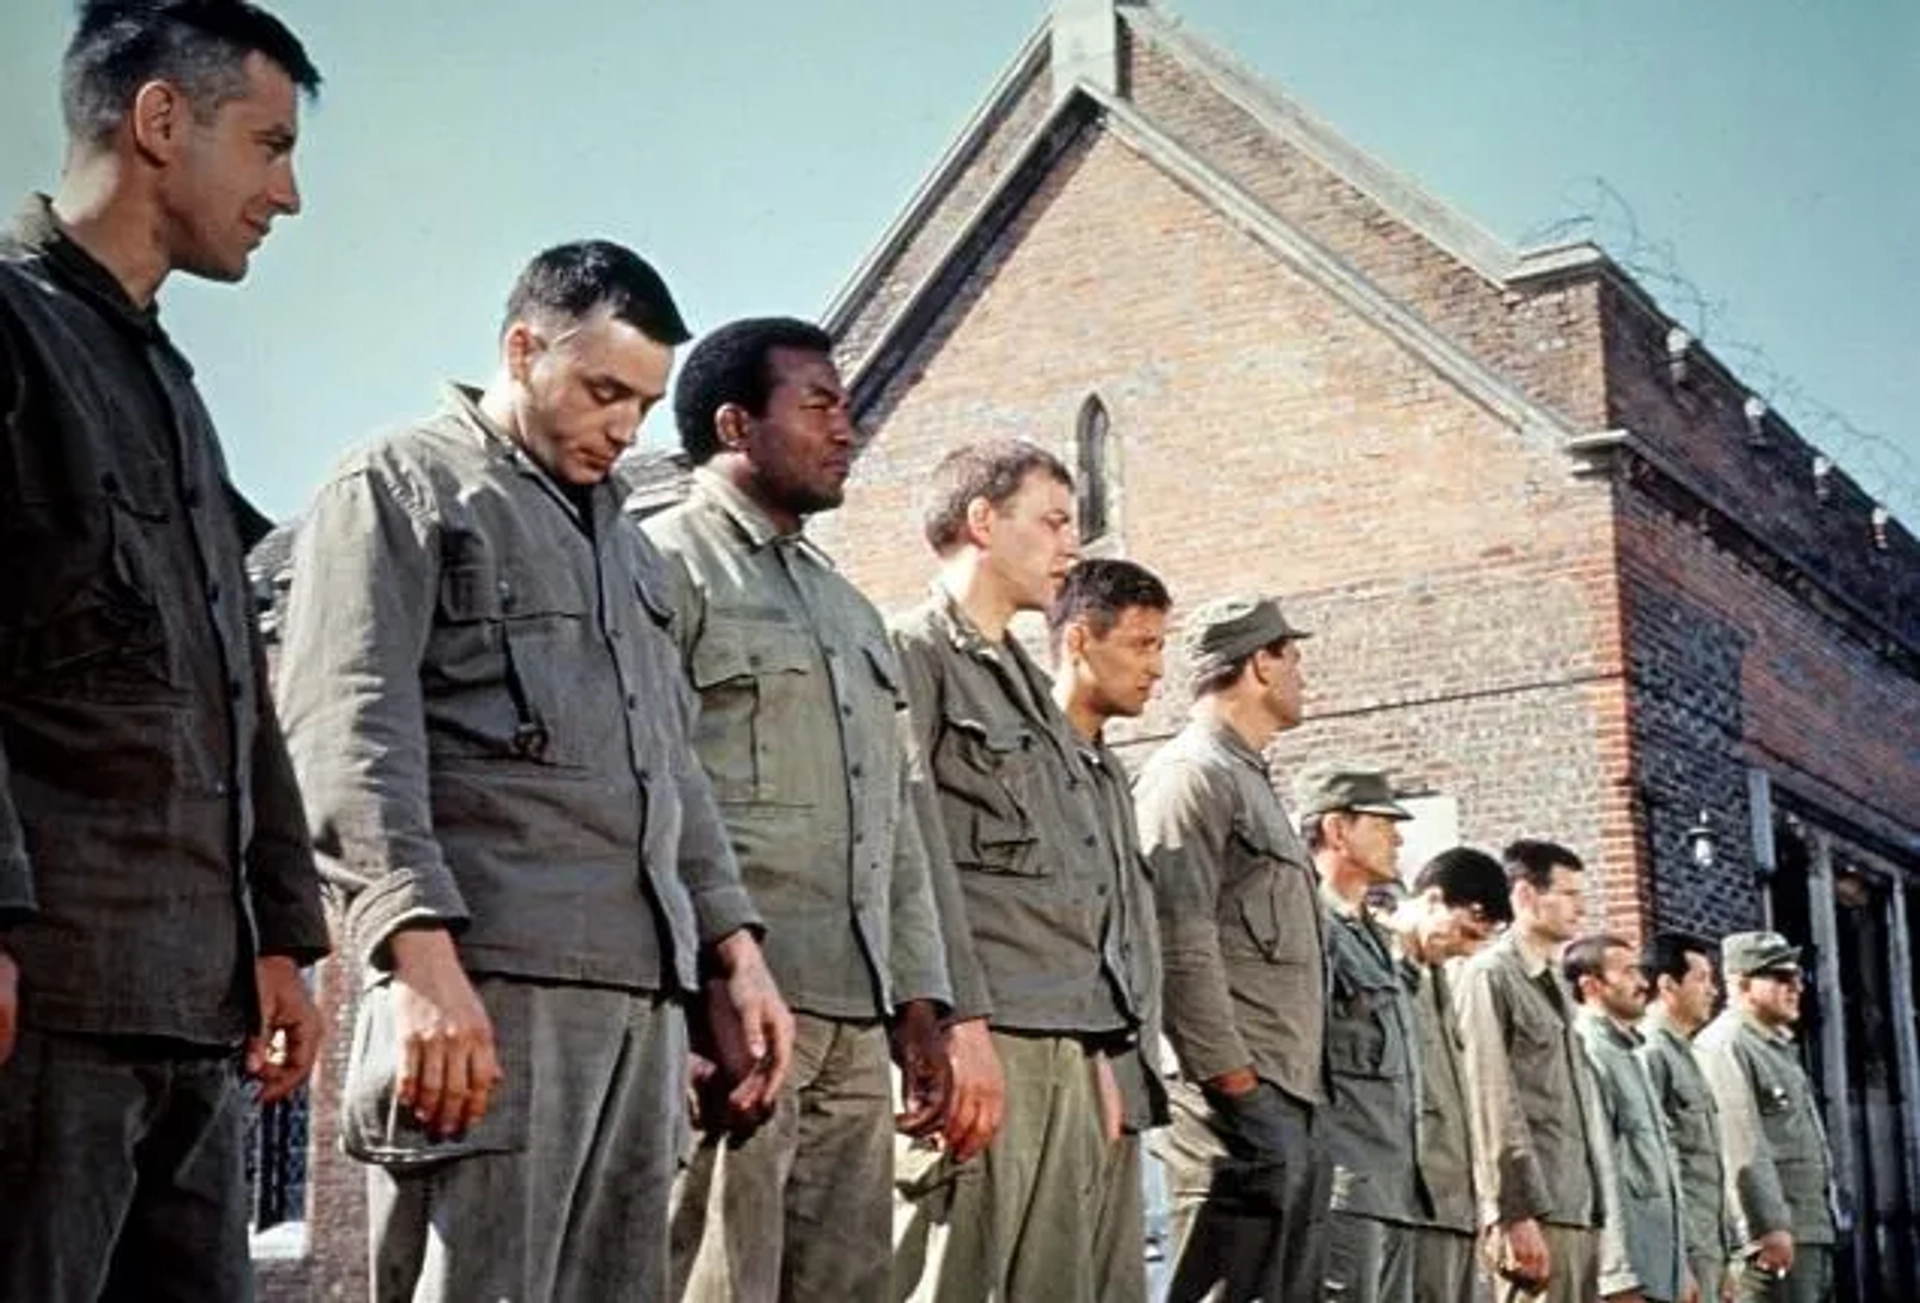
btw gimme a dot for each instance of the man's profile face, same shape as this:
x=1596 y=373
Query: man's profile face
x=800 y=448
x=1692 y=997
x=583 y=391
x=1033 y=542
x=1286 y=684
x=1557 y=908
x=1373 y=842
x=232 y=175
x=1621 y=988
x=1127 y=661
x=1773 y=996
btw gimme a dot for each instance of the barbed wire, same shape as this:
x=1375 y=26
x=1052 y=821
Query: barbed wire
x=1602 y=215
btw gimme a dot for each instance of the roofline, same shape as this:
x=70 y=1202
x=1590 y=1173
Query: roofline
x=1445 y=226
x=1472 y=378
x=1013 y=80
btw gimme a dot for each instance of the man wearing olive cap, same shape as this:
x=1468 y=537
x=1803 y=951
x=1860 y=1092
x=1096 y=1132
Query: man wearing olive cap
x=1351 y=825
x=1243 y=964
x=1779 y=1169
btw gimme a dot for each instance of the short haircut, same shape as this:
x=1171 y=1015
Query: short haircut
x=570 y=282
x=1586 y=956
x=994 y=469
x=1098 y=591
x=1313 y=830
x=1467 y=877
x=198 y=45
x=1533 y=862
x=732 y=365
x=1667 y=954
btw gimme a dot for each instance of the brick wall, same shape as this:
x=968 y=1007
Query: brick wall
x=1460 y=580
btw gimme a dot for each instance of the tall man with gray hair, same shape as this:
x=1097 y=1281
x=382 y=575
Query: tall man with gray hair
x=157 y=892
x=1244 y=972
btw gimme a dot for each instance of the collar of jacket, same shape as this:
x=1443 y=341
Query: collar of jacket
x=1228 y=740
x=1627 y=1038
x=603 y=498
x=38 y=233
x=1657 y=1023
x=749 y=517
x=1772 y=1035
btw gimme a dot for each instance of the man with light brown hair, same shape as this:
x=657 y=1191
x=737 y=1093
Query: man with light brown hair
x=1028 y=894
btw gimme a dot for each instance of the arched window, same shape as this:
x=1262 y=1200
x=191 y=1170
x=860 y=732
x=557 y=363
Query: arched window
x=1092 y=468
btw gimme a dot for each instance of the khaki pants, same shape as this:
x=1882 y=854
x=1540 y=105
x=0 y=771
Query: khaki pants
x=1810 y=1281
x=567 y=1201
x=1251 y=1182
x=1446 y=1268
x=1013 y=1223
x=1573 y=1257
x=1708 y=1270
x=801 y=1208
x=1119 y=1231
x=1369 y=1261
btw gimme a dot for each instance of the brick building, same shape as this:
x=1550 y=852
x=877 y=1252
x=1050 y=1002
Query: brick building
x=1568 y=577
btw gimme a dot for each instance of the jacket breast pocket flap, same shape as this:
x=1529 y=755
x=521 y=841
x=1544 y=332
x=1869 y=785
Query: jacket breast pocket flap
x=1357 y=1042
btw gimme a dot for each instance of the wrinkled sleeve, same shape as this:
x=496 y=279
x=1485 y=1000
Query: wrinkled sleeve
x=919 y=730
x=359 y=613
x=1603 y=1121
x=282 y=882
x=1754 y=1192
x=1184 y=847
x=708 y=869
x=17 y=902
x=918 y=954
x=1506 y=1173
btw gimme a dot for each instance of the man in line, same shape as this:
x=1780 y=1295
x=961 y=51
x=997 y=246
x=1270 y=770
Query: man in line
x=1684 y=993
x=1459 y=899
x=1350 y=822
x=1109 y=632
x=492 y=735
x=1243 y=960
x=1539 y=1158
x=1606 y=978
x=1780 y=1185
x=799 y=693
x=157 y=892
x=1029 y=896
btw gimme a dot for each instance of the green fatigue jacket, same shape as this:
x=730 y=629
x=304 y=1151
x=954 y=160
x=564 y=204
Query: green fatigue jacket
x=490 y=719
x=1242 y=935
x=1373 y=1061
x=1528 y=1088
x=1693 y=1124
x=1138 y=1070
x=1646 y=1169
x=1025 y=886
x=1779 y=1169
x=799 y=694
x=152 y=842
x=1446 y=1142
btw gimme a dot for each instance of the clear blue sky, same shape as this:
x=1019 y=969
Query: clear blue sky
x=756 y=150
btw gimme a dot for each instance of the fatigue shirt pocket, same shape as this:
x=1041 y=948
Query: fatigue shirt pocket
x=91 y=620
x=751 y=677
x=1259 y=892
x=496 y=676
x=991 y=772
x=1360 y=1042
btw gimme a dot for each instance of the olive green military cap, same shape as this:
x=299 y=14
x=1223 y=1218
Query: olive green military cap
x=1323 y=789
x=1228 y=629
x=1745 y=953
